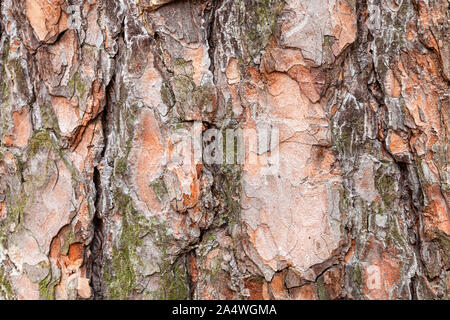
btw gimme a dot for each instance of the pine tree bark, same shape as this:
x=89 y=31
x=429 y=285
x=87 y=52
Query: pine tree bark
x=350 y=201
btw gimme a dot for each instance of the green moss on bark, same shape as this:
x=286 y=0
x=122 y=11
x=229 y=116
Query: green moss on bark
x=385 y=186
x=259 y=23
x=47 y=288
x=174 y=282
x=121 y=274
x=78 y=85
x=6 y=291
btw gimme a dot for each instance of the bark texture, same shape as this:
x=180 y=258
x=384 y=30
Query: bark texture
x=96 y=95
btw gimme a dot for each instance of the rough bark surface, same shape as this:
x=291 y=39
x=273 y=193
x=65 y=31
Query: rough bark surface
x=96 y=95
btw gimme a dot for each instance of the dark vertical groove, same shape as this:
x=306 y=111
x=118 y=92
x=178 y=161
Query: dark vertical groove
x=96 y=246
x=95 y=264
x=210 y=37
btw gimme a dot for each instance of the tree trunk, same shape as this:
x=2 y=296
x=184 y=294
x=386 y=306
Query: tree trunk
x=224 y=149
